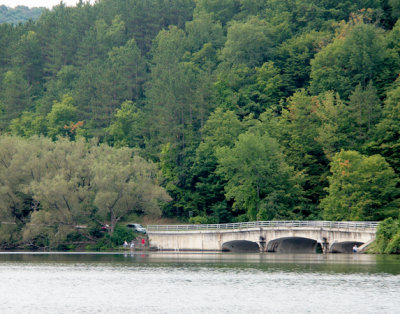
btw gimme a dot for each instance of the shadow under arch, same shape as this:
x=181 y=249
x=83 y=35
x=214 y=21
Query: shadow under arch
x=292 y=245
x=240 y=246
x=344 y=247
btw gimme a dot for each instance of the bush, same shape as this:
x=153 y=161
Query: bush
x=387 y=237
x=393 y=246
x=198 y=220
x=111 y=241
x=121 y=234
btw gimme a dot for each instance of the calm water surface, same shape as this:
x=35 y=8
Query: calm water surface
x=198 y=283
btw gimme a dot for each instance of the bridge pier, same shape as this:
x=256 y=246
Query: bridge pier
x=324 y=245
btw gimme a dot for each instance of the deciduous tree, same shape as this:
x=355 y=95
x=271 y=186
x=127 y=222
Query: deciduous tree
x=360 y=188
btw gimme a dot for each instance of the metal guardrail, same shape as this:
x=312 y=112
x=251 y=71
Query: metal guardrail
x=267 y=224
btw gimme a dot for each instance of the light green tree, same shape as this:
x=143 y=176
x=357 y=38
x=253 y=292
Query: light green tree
x=62 y=186
x=126 y=127
x=61 y=116
x=17 y=158
x=248 y=43
x=358 y=55
x=124 y=184
x=361 y=188
x=258 y=178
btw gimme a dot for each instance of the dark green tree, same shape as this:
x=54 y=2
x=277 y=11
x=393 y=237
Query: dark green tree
x=386 y=135
x=207 y=197
x=15 y=97
x=300 y=145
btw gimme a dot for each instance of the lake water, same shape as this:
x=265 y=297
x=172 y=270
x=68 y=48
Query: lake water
x=198 y=283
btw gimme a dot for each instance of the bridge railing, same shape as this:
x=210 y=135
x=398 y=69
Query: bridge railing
x=267 y=224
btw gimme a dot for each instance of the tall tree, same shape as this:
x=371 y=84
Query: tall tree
x=125 y=184
x=364 y=110
x=332 y=113
x=386 y=135
x=176 y=104
x=302 y=149
x=15 y=97
x=258 y=178
x=28 y=58
x=348 y=126
x=206 y=185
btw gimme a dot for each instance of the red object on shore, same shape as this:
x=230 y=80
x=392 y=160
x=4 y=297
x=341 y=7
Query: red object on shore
x=143 y=242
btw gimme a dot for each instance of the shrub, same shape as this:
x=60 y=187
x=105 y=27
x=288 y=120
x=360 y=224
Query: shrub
x=387 y=237
x=198 y=220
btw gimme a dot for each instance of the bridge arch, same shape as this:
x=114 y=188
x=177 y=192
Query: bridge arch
x=292 y=245
x=344 y=247
x=240 y=246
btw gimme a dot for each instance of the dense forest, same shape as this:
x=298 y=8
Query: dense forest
x=206 y=111
x=19 y=14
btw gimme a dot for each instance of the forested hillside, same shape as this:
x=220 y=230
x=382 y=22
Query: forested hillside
x=249 y=109
x=19 y=14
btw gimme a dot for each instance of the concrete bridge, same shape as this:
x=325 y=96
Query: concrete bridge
x=269 y=236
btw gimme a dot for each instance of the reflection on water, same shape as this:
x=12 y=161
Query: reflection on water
x=198 y=283
x=340 y=263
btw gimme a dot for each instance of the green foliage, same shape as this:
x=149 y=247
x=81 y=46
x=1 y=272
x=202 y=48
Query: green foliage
x=29 y=124
x=385 y=138
x=121 y=234
x=360 y=188
x=358 y=55
x=113 y=240
x=258 y=178
x=333 y=124
x=395 y=5
x=199 y=220
x=316 y=14
x=393 y=246
x=207 y=187
x=49 y=189
x=222 y=11
x=348 y=126
x=300 y=145
x=250 y=91
x=294 y=57
x=387 y=237
x=248 y=43
x=203 y=30
x=125 y=129
x=61 y=115
x=124 y=184
x=15 y=97
x=10 y=236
